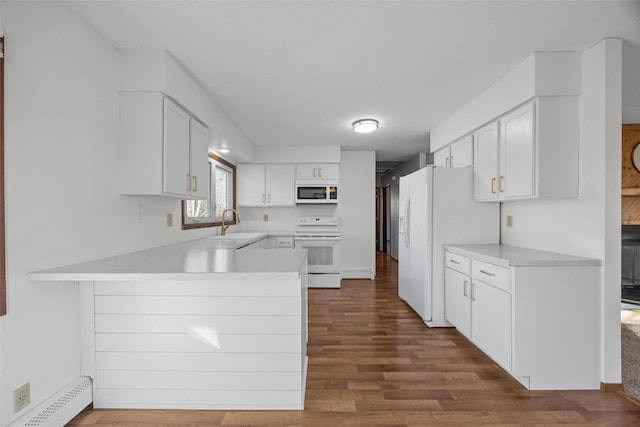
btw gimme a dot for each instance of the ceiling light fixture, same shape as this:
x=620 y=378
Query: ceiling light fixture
x=365 y=125
x=224 y=150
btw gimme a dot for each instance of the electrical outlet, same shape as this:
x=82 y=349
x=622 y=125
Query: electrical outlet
x=169 y=220
x=265 y=217
x=22 y=397
x=509 y=221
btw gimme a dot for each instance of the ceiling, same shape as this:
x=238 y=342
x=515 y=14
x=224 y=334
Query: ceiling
x=300 y=72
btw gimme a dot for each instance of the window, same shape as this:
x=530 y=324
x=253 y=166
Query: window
x=222 y=184
x=3 y=284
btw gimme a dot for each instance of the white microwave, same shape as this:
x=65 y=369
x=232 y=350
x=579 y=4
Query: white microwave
x=316 y=193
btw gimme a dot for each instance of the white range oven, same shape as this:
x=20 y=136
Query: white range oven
x=320 y=236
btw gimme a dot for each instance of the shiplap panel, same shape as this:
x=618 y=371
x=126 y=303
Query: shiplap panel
x=186 y=380
x=198 y=399
x=199 y=343
x=249 y=287
x=156 y=323
x=105 y=304
x=250 y=362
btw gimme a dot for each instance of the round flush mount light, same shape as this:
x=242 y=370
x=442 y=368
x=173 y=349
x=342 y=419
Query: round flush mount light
x=365 y=125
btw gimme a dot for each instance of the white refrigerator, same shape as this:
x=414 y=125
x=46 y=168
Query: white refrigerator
x=437 y=208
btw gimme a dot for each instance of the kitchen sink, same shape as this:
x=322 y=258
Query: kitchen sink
x=239 y=236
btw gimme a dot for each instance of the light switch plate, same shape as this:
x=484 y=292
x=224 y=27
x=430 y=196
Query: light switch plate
x=509 y=221
x=169 y=220
x=265 y=217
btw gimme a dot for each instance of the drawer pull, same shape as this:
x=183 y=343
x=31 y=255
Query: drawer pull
x=488 y=273
x=464 y=288
x=453 y=261
x=473 y=292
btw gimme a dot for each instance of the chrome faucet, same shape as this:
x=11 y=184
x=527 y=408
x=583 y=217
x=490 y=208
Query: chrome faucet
x=223 y=230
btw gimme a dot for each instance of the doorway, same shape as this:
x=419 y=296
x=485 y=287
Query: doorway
x=383 y=219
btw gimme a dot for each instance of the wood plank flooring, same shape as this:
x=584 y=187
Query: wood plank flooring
x=372 y=362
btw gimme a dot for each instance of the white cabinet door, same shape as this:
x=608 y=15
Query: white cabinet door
x=491 y=322
x=280 y=185
x=176 y=178
x=486 y=162
x=458 y=301
x=163 y=149
x=441 y=157
x=250 y=185
x=319 y=171
x=461 y=153
x=199 y=162
x=517 y=153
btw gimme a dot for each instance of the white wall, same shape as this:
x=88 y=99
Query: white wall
x=356 y=214
x=63 y=204
x=590 y=224
x=631 y=82
x=540 y=74
x=297 y=154
x=155 y=70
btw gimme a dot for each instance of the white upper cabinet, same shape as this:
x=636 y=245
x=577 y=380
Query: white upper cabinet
x=265 y=185
x=199 y=162
x=456 y=155
x=280 y=185
x=250 y=185
x=486 y=162
x=530 y=152
x=163 y=149
x=441 y=157
x=319 y=171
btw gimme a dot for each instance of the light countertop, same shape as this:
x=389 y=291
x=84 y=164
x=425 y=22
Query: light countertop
x=206 y=258
x=513 y=256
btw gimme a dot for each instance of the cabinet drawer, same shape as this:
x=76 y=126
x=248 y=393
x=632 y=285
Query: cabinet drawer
x=284 y=242
x=457 y=262
x=491 y=274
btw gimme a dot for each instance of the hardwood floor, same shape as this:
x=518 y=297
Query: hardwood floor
x=373 y=362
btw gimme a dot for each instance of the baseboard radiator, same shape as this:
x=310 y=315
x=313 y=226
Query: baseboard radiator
x=60 y=408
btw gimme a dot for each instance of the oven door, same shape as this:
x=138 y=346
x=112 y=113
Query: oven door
x=323 y=253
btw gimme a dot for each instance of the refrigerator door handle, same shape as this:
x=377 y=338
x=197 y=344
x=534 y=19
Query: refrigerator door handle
x=407 y=223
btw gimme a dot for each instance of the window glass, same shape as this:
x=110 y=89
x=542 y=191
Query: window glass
x=208 y=213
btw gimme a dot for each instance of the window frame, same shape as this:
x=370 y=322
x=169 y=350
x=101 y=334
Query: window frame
x=3 y=269
x=204 y=224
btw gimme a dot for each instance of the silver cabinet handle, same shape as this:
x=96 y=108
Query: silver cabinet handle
x=500 y=186
x=473 y=292
x=451 y=161
x=319 y=172
x=188 y=182
x=195 y=183
x=488 y=273
x=453 y=261
x=262 y=198
x=493 y=186
x=269 y=198
x=464 y=288
x=314 y=172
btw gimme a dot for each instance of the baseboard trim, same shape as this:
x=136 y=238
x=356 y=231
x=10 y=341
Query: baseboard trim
x=611 y=387
x=630 y=398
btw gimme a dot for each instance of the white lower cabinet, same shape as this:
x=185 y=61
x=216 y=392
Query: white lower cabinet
x=458 y=300
x=536 y=314
x=491 y=322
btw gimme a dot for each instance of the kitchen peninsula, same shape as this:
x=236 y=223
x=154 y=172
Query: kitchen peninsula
x=197 y=325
